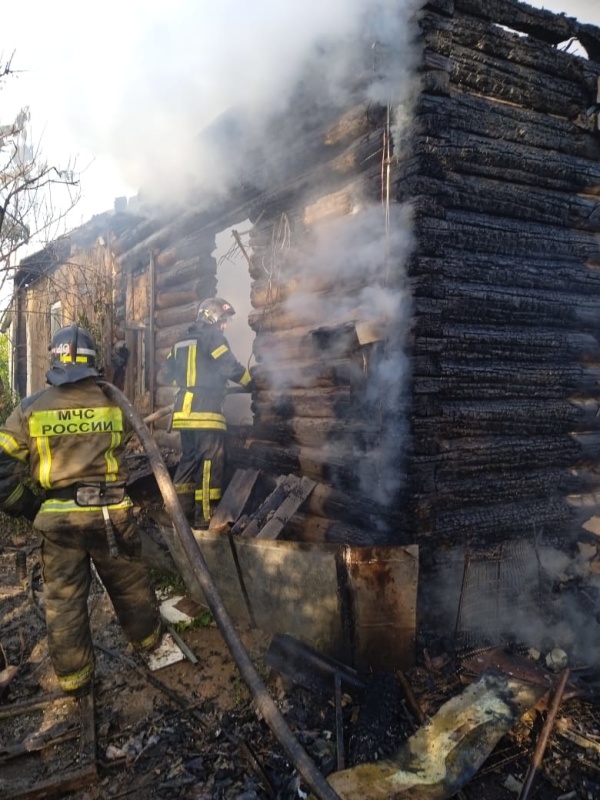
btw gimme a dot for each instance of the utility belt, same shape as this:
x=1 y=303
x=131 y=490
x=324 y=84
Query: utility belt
x=94 y=494
x=90 y=494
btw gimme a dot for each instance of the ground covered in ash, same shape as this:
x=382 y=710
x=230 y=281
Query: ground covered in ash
x=191 y=731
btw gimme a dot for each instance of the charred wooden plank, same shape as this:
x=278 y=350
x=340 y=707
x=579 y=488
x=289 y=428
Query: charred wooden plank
x=508 y=50
x=489 y=118
x=538 y=23
x=510 y=373
x=525 y=203
x=510 y=162
x=536 y=306
x=307 y=528
x=498 y=488
x=504 y=520
x=532 y=272
x=468 y=232
x=296 y=495
x=514 y=417
x=493 y=77
x=453 y=458
x=512 y=344
x=234 y=499
x=250 y=526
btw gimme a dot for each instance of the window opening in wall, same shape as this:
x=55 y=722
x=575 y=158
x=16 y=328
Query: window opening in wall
x=233 y=284
x=55 y=317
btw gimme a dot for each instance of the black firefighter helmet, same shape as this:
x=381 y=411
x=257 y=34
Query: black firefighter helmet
x=72 y=356
x=214 y=310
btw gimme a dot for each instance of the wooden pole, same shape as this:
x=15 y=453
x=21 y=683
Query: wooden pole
x=542 y=742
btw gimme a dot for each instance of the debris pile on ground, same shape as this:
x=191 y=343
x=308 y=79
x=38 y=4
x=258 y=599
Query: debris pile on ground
x=191 y=731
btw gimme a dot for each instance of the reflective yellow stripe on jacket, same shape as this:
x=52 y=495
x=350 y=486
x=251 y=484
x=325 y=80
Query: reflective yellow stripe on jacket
x=191 y=365
x=186 y=418
x=12 y=448
x=245 y=379
x=56 y=506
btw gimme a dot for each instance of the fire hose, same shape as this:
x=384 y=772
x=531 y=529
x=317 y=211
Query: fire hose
x=263 y=700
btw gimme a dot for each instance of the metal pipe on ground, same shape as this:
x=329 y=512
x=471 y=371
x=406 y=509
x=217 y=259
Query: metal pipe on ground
x=264 y=702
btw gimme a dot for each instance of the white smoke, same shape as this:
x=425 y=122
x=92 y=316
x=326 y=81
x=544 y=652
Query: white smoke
x=194 y=61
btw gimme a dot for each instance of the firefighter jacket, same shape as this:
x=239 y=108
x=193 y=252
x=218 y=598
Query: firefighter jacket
x=60 y=438
x=200 y=366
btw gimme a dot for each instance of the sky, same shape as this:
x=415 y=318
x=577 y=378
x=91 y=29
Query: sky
x=119 y=88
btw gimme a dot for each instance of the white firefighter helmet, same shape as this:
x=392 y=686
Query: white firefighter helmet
x=214 y=310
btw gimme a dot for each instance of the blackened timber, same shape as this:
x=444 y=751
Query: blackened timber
x=491 y=305
x=510 y=162
x=484 y=234
x=502 y=488
x=487 y=118
x=306 y=528
x=497 y=521
x=511 y=417
x=482 y=195
x=428 y=390
x=328 y=499
x=508 y=51
x=531 y=271
x=476 y=72
x=509 y=344
x=534 y=376
x=332 y=467
x=538 y=23
x=456 y=458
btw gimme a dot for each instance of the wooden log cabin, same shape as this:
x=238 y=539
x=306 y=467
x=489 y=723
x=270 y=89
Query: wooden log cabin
x=424 y=280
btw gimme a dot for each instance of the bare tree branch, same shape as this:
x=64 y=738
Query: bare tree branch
x=30 y=214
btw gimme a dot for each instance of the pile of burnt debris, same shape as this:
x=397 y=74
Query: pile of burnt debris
x=494 y=723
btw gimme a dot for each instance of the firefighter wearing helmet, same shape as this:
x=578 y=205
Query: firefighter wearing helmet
x=62 y=465
x=201 y=365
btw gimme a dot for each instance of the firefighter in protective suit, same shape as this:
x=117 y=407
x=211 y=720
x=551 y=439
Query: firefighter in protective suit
x=67 y=442
x=201 y=365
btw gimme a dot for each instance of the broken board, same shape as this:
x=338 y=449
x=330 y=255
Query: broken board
x=37 y=740
x=235 y=498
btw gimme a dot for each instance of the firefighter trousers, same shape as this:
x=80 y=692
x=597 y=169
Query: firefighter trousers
x=67 y=575
x=199 y=475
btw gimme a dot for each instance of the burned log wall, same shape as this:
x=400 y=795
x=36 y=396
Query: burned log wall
x=318 y=406
x=505 y=179
x=499 y=396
